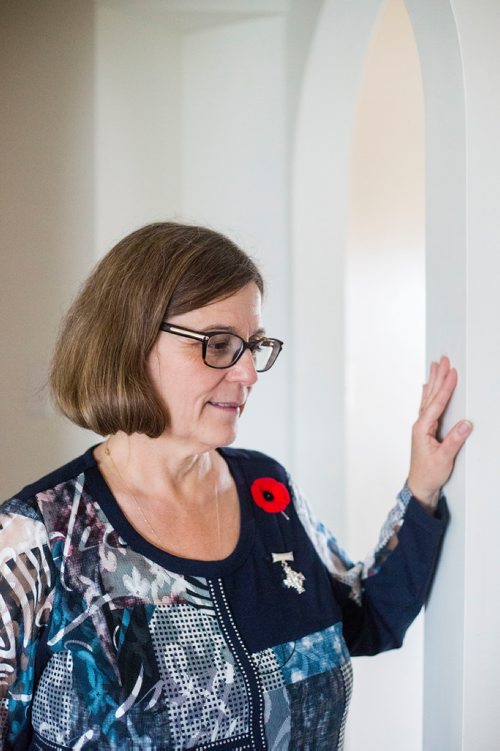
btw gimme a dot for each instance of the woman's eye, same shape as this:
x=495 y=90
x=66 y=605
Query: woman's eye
x=219 y=343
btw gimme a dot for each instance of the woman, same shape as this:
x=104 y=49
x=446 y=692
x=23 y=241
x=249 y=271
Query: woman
x=162 y=591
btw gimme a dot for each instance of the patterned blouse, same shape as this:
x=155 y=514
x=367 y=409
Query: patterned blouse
x=108 y=642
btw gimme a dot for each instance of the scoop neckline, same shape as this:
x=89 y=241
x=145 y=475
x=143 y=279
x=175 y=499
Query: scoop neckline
x=102 y=494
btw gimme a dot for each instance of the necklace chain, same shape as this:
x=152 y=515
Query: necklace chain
x=107 y=452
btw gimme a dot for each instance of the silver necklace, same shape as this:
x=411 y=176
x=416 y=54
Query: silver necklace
x=107 y=452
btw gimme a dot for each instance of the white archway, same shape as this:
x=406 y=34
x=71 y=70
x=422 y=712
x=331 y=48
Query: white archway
x=459 y=54
x=354 y=499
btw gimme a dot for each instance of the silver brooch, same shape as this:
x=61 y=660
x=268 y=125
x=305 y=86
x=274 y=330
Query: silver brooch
x=293 y=579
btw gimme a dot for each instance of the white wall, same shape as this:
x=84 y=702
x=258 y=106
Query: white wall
x=460 y=53
x=46 y=209
x=138 y=94
x=479 y=32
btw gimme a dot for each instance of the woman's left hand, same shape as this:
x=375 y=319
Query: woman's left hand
x=431 y=460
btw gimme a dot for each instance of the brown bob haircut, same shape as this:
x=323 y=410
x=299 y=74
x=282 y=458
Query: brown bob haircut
x=99 y=376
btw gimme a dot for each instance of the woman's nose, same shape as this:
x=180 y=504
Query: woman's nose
x=244 y=369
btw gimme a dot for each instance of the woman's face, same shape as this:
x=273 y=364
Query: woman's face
x=194 y=393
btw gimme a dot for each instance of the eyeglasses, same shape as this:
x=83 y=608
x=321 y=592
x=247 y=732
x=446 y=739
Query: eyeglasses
x=221 y=349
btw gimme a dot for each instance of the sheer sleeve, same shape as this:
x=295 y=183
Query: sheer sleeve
x=381 y=595
x=26 y=589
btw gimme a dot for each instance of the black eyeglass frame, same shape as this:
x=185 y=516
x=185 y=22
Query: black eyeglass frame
x=203 y=337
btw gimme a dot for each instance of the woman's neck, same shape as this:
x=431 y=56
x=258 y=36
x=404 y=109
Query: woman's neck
x=175 y=499
x=162 y=467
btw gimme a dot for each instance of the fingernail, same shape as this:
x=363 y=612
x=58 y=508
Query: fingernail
x=465 y=427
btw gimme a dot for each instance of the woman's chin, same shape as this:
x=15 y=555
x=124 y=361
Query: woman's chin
x=227 y=437
x=213 y=437
x=224 y=437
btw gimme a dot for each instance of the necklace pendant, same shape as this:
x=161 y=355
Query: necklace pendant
x=293 y=579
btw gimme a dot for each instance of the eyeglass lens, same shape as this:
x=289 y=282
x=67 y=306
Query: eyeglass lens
x=223 y=349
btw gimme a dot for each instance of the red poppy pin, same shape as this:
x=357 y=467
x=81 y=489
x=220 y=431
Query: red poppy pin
x=270 y=495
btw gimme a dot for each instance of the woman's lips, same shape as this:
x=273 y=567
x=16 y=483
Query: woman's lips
x=227 y=406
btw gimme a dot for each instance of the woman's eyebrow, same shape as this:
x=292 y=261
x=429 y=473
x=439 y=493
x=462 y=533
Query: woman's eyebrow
x=231 y=329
